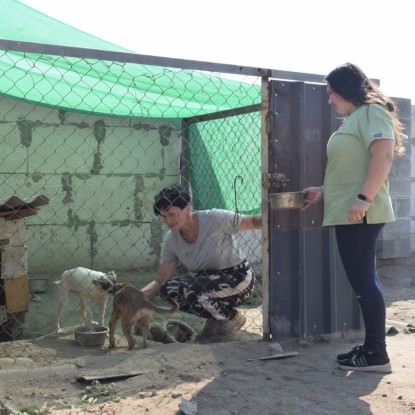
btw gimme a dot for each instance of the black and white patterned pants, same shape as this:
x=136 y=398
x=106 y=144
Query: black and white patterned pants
x=213 y=293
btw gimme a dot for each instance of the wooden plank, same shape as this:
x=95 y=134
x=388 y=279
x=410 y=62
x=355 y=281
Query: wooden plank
x=18 y=213
x=17 y=293
x=281 y=355
x=107 y=377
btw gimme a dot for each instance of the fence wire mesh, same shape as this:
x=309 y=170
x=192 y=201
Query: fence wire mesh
x=97 y=140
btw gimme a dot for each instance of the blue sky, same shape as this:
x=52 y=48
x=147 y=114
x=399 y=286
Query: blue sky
x=294 y=35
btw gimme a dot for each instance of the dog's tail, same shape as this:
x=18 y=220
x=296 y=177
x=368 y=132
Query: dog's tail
x=162 y=310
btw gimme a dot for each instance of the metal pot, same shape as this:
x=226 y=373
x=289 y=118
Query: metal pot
x=287 y=200
x=88 y=337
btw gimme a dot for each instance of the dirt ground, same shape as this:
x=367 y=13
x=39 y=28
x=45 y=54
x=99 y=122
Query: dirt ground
x=217 y=379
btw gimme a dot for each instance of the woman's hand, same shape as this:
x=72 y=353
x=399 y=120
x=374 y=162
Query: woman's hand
x=165 y=272
x=313 y=196
x=358 y=211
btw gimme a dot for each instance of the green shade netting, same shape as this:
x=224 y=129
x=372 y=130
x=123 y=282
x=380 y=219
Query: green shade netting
x=103 y=87
x=226 y=155
x=111 y=88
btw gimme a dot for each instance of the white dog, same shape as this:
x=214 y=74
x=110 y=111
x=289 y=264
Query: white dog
x=87 y=285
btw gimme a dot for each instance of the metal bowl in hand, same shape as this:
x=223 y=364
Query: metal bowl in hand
x=287 y=200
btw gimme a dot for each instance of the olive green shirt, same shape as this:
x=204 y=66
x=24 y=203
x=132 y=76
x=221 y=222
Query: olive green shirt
x=348 y=158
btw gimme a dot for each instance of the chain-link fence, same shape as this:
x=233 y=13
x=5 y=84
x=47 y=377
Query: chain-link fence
x=97 y=139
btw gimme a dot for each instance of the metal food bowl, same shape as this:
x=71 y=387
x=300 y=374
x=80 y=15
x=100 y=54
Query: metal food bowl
x=287 y=200
x=178 y=332
x=90 y=337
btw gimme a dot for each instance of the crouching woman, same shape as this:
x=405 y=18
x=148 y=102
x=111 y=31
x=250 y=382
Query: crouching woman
x=219 y=278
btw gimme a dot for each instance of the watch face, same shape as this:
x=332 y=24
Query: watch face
x=364 y=198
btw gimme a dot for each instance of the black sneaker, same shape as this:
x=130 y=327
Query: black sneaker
x=349 y=355
x=366 y=361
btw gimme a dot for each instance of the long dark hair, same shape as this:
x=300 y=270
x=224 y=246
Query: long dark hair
x=351 y=83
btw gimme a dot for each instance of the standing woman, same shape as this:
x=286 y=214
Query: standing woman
x=356 y=198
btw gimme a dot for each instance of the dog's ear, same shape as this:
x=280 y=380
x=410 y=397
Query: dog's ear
x=105 y=284
x=113 y=288
x=112 y=274
x=100 y=282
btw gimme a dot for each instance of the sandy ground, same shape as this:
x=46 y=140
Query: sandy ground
x=218 y=379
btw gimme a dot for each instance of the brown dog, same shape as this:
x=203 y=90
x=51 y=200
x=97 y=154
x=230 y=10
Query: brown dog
x=133 y=308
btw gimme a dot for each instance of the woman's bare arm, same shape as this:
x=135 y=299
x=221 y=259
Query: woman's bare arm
x=250 y=222
x=164 y=273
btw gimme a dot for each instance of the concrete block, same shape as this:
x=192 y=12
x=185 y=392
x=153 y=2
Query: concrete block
x=402 y=208
x=14 y=230
x=14 y=261
x=125 y=247
x=393 y=248
x=72 y=150
x=398 y=229
x=403 y=167
x=55 y=248
x=399 y=187
x=13 y=155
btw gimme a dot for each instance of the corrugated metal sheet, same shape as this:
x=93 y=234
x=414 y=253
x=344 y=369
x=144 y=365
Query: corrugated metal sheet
x=309 y=292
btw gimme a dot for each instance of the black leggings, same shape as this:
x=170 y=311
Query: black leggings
x=212 y=294
x=357 y=248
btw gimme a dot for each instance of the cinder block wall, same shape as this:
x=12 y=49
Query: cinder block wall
x=100 y=174
x=412 y=145
x=395 y=239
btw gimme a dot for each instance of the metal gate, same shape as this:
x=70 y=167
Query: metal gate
x=309 y=293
